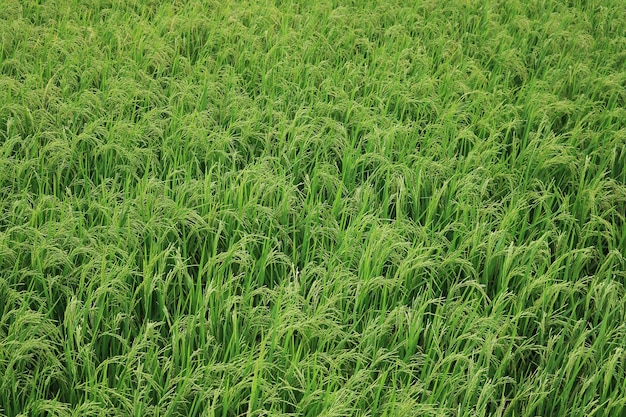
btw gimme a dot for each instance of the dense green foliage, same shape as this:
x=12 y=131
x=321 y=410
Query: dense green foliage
x=312 y=208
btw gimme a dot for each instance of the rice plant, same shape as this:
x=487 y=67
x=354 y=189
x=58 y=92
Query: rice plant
x=312 y=208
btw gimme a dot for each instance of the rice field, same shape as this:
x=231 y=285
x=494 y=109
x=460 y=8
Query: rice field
x=312 y=208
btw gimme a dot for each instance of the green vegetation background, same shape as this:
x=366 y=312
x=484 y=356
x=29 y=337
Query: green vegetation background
x=312 y=208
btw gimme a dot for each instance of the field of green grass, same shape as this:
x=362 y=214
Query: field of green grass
x=312 y=208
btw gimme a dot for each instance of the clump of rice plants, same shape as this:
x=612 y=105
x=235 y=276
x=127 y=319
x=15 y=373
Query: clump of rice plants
x=312 y=208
